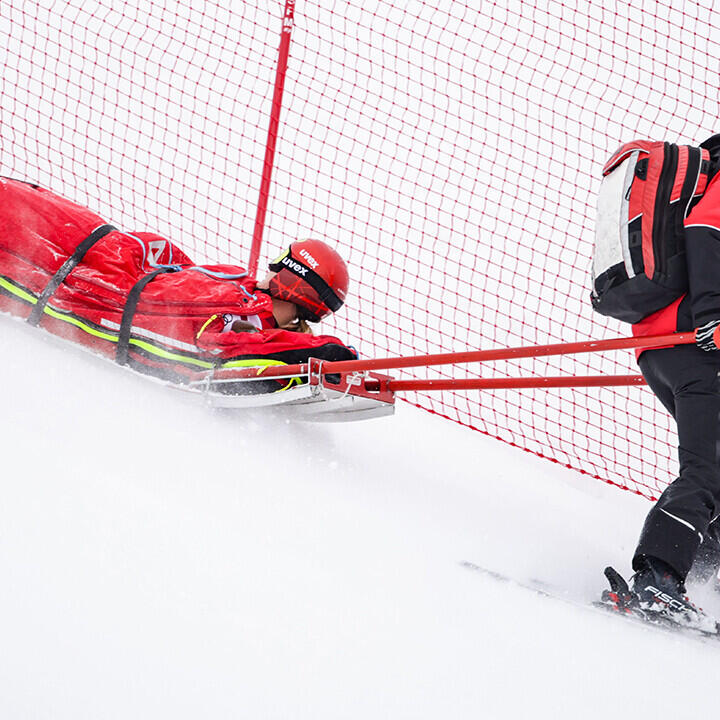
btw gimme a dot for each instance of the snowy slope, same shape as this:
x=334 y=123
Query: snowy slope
x=162 y=561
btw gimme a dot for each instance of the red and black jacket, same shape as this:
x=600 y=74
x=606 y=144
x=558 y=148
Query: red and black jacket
x=702 y=249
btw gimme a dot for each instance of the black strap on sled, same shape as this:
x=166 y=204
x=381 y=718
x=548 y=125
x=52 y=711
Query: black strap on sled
x=65 y=269
x=123 y=346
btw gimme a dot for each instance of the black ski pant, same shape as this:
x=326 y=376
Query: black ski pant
x=685 y=380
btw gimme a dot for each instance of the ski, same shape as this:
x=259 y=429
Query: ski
x=618 y=601
x=539 y=587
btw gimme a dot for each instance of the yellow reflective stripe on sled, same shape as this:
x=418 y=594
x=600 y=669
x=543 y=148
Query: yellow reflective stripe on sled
x=148 y=347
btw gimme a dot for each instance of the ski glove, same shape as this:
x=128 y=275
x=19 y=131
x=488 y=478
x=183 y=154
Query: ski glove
x=707 y=336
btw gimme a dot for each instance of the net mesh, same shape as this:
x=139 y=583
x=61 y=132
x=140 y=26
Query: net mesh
x=451 y=153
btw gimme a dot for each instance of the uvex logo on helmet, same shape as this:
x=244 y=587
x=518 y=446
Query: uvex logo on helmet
x=311 y=275
x=295 y=267
x=309 y=259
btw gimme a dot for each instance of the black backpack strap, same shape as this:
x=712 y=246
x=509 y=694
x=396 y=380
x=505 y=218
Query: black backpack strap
x=65 y=269
x=123 y=346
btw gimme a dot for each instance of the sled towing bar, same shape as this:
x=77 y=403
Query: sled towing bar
x=358 y=371
x=353 y=390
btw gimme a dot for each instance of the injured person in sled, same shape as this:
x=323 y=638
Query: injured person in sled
x=139 y=299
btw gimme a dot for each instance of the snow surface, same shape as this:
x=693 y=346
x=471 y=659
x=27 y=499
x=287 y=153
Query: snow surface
x=163 y=561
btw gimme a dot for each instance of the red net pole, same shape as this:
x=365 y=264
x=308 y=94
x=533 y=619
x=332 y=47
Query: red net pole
x=280 y=73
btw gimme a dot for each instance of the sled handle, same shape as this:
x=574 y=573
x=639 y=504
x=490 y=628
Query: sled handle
x=510 y=383
x=623 y=343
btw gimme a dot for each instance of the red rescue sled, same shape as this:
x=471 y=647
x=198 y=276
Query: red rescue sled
x=139 y=300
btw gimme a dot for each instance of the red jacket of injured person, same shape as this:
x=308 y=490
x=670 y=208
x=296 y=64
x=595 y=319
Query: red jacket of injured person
x=140 y=299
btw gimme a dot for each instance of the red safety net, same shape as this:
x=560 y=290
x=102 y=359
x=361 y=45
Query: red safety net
x=451 y=151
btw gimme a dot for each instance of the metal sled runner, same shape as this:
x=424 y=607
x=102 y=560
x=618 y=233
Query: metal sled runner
x=315 y=395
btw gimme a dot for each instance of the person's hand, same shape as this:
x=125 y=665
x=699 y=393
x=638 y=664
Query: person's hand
x=707 y=336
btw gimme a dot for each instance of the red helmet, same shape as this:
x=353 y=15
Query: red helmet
x=311 y=275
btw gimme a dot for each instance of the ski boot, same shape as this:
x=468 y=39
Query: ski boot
x=662 y=598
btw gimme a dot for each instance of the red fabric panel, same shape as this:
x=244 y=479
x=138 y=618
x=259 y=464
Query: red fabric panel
x=648 y=209
x=707 y=212
x=624 y=150
x=680 y=173
x=662 y=322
